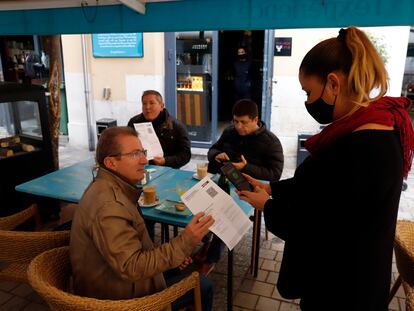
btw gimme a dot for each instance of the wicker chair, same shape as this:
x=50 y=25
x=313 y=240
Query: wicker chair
x=18 y=248
x=404 y=255
x=49 y=275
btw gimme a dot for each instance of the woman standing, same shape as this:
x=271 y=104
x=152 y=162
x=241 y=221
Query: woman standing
x=338 y=213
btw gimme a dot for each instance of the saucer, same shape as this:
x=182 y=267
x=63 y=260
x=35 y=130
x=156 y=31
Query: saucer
x=169 y=207
x=195 y=176
x=142 y=204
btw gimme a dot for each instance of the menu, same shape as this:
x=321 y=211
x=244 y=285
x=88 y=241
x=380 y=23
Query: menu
x=230 y=222
x=149 y=139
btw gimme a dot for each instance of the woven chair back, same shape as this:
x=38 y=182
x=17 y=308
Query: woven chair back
x=49 y=274
x=18 y=248
x=404 y=250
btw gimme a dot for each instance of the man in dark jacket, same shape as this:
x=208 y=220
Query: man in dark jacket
x=253 y=150
x=171 y=133
x=247 y=143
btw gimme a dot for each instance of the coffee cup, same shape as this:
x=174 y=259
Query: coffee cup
x=150 y=195
x=201 y=170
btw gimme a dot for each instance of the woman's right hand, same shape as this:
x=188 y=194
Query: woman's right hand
x=256 y=183
x=256 y=198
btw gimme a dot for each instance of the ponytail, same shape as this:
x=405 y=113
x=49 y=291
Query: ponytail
x=367 y=72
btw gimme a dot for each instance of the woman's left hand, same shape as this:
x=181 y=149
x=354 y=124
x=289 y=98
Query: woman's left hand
x=256 y=198
x=187 y=261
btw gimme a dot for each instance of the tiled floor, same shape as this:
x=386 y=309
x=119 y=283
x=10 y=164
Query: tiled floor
x=249 y=293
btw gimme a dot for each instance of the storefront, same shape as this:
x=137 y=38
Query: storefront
x=201 y=77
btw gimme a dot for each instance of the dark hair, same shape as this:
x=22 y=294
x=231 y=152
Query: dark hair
x=245 y=107
x=325 y=57
x=353 y=54
x=152 y=92
x=108 y=142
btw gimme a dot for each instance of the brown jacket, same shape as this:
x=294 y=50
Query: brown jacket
x=111 y=253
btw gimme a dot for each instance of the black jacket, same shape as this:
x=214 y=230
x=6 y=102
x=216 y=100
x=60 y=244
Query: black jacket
x=261 y=149
x=173 y=138
x=337 y=216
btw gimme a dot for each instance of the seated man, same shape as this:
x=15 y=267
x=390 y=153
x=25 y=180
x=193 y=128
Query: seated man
x=171 y=133
x=247 y=143
x=111 y=252
x=253 y=150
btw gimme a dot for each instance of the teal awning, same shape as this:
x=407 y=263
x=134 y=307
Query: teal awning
x=209 y=15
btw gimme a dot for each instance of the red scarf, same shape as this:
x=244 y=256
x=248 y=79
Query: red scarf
x=388 y=111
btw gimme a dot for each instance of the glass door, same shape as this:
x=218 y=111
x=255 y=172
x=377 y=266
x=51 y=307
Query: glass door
x=194 y=73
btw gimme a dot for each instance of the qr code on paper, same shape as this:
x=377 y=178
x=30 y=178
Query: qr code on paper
x=211 y=192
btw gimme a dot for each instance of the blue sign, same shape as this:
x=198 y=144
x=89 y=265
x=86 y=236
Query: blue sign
x=117 y=44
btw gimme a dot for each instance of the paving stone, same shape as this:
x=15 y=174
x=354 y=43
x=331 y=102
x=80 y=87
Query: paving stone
x=265 y=245
x=14 y=304
x=402 y=304
x=266 y=304
x=4 y=296
x=400 y=292
x=8 y=285
x=272 y=278
x=261 y=275
x=36 y=307
x=256 y=287
x=285 y=306
x=245 y=300
x=34 y=297
x=22 y=290
x=279 y=256
x=267 y=254
x=269 y=265
x=394 y=305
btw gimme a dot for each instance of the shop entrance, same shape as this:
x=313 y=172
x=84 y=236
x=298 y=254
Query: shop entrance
x=239 y=76
x=203 y=74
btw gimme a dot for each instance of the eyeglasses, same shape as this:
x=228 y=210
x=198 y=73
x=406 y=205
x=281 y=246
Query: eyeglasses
x=136 y=154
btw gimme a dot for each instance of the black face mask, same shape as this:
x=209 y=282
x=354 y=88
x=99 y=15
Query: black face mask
x=320 y=110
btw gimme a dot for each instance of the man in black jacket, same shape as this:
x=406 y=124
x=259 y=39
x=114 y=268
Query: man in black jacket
x=171 y=132
x=253 y=150
x=247 y=143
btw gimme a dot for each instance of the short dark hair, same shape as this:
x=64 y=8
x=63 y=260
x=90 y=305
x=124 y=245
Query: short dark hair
x=108 y=142
x=245 y=107
x=152 y=92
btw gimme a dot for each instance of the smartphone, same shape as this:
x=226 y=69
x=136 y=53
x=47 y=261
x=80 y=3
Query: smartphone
x=235 y=177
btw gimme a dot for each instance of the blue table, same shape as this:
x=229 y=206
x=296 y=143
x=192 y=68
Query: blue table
x=166 y=190
x=69 y=183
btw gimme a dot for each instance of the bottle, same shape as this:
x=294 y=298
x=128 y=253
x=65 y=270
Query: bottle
x=224 y=184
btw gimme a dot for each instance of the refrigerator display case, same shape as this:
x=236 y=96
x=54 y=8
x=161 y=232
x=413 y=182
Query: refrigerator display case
x=194 y=86
x=25 y=142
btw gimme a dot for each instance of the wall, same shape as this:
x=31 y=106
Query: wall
x=126 y=77
x=289 y=116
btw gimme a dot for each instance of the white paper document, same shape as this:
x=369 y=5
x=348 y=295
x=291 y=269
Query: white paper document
x=149 y=139
x=231 y=223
